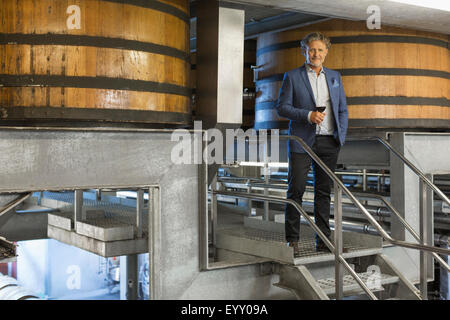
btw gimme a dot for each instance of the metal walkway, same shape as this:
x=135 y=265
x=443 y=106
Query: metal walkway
x=266 y=239
x=108 y=230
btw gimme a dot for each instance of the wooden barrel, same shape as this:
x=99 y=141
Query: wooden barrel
x=248 y=103
x=393 y=77
x=107 y=60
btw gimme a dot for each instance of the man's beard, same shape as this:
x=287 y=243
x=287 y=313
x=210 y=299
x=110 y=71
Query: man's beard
x=315 y=64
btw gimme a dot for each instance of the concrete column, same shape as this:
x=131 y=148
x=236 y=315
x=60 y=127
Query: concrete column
x=220 y=64
x=428 y=152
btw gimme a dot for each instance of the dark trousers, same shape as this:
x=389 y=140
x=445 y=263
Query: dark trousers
x=327 y=149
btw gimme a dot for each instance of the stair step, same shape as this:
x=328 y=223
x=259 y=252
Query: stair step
x=270 y=244
x=374 y=281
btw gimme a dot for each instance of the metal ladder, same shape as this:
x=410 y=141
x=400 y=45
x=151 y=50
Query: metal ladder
x=299 y=280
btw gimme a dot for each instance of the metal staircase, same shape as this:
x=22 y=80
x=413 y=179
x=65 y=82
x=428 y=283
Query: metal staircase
x=364 y=269
x=381 y=277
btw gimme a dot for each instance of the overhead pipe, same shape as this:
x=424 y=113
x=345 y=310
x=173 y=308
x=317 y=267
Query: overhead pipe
x=11 y=290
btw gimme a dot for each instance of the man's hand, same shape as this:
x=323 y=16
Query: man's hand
x=317 y=117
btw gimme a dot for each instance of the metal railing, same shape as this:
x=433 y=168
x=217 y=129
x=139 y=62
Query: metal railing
x=407 y=226
x=339 y=187
x=379 y=197
x=424 y=182
x=409 y=164
x=14 y=203
x=310 y=222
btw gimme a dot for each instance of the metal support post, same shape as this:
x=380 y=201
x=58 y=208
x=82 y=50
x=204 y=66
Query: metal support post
x=98 y=194
x=79 y=213
x=249 y=201
x=364 y=179
x=132 y=277
x=266 y=177
x=155 y=243
x=139 y=212
x=339 y=271
x=214 y=214
x=203 y=210
x=423 y=239
x=128 y=277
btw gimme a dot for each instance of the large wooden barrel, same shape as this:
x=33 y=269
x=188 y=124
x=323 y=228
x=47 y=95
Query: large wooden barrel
x=393 y=77
x=118 y=61
x=248 y=103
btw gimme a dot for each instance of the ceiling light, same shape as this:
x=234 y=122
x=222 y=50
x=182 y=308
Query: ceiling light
x=432 y=4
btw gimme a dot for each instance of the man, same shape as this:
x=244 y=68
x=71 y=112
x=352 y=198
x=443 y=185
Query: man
x=304 y=89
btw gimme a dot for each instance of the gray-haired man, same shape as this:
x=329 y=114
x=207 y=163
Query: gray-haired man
x=304 y=89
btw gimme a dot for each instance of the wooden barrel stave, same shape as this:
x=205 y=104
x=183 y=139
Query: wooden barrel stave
x=124 y=56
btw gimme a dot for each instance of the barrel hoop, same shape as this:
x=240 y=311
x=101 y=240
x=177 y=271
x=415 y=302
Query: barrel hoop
x=155 y=5
x=265 y=105
x=271 y=124
x=371 y=123
x=372 y=72
x=112 y=115
x=91 y=41
x=394 y=72
x=386 y=100
x=400 y=123
x=393 y=100
x=7 y=80
x=358 y=39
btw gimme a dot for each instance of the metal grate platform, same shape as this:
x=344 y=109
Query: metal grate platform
x=375 y=282
x=108 y=230
x=271 y=244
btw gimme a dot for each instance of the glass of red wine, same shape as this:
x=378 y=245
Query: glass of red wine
x=320 y=109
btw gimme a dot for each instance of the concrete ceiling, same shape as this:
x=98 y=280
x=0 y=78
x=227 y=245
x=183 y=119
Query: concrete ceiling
x=259 y=19
x=263 y=16
x=392 y=13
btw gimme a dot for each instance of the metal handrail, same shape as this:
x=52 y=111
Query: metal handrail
x=14 y=203
x=441 y=261
x=409 y=164
x=310 y=222
x=405 y=224
x=339 y=186
x=358 y=204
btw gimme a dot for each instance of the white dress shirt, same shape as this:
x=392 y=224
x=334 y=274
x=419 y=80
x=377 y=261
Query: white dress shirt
x=322 y=96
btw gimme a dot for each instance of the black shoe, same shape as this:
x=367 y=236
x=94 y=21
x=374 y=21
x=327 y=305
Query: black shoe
x=322 y=247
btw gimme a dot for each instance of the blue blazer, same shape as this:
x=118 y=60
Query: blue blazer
x=296 y=100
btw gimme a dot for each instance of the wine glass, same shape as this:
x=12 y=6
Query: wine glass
x=320 y=109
